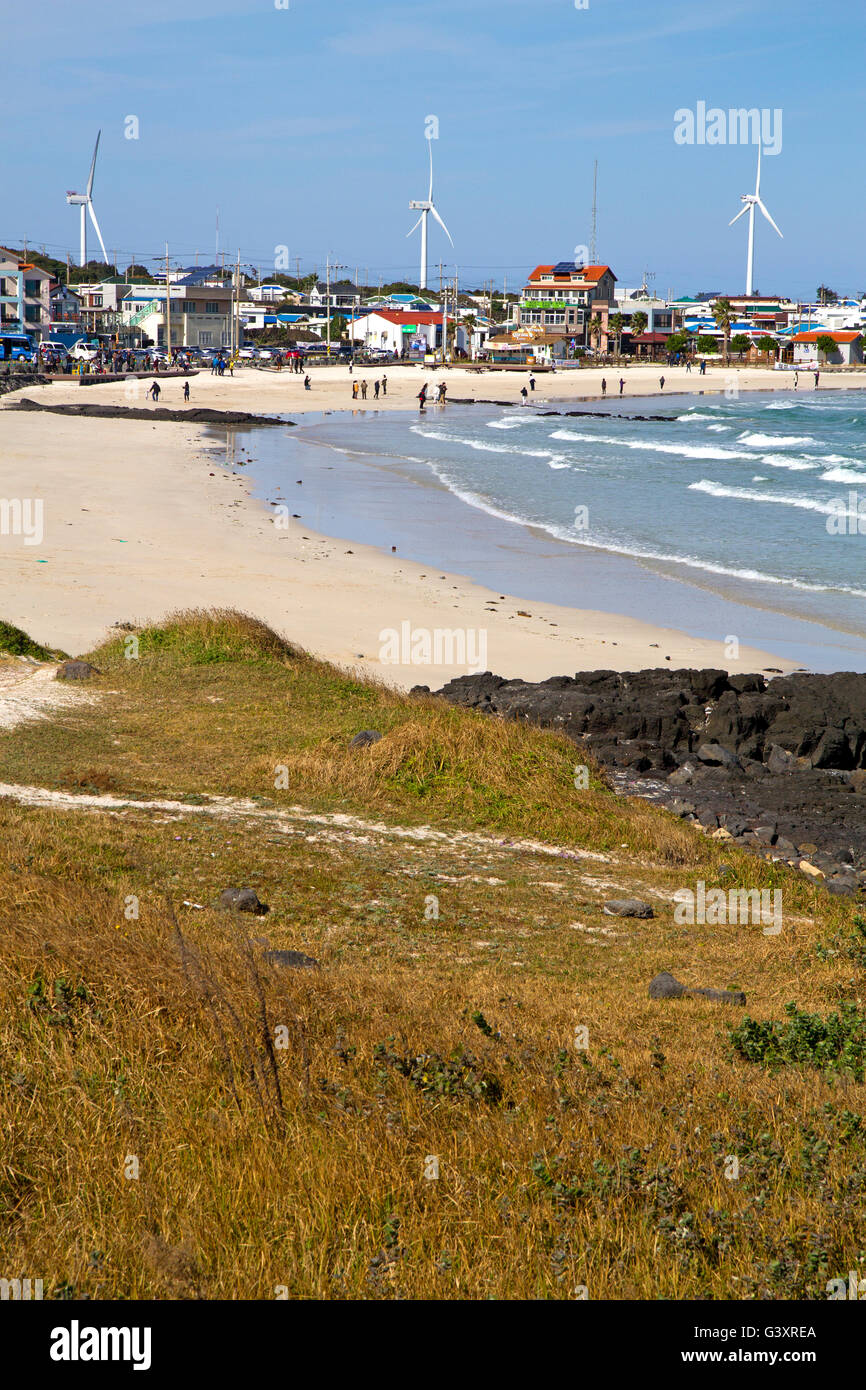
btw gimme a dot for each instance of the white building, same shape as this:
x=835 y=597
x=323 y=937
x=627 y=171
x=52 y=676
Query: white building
x=388 y=330
x=201 y=315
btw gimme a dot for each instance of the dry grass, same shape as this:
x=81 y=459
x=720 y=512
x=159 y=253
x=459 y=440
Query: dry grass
x=302 y=1167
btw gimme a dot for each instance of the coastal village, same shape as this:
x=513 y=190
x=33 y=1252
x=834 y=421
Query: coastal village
x=565 y=314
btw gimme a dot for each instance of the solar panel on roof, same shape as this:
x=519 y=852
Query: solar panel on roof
x=564 y=268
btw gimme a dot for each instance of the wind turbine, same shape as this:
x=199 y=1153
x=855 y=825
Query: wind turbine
x=85 y=202
x=427 y=206
x=751 y=201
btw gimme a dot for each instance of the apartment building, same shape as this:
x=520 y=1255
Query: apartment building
x=562 y=299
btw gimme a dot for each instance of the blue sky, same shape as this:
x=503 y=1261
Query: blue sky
x=305 y=126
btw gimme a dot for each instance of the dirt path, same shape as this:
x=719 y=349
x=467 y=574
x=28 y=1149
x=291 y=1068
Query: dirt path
x=28 y=690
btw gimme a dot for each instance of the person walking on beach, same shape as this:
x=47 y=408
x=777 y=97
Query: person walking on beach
x=376 y=389
x=621 y=384
x=306 y=383
x=688 y=364
x=422 y=397
x=186 y=390
x=662 y=382
x=532 y=381
x=363 y=390
x=384 y=384
x=603 y=386
x=796 y=379
x=525 y=394
x=817 y=376
x=354 y=390
x=154 y=392
x=444 y=391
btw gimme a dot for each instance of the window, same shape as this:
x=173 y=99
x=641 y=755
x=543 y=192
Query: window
x=204 y=339
x=211 y=307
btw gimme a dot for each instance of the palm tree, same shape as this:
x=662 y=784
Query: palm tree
x=724 y=317
x=615 y=323
x=594 y=327
x=470 y=323
x=639 y=322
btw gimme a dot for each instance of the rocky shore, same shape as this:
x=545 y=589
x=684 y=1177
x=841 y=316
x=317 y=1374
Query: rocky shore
x=193 y=415
x=777 y=766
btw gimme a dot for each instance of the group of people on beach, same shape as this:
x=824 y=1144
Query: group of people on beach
x=604 y=385
x=441 y=392
x=378 y=385
x=154 y=389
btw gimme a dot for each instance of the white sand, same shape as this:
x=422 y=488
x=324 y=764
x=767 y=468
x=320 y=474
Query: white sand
x=137 y=524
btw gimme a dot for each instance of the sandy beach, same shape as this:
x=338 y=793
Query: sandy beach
x=138 y=524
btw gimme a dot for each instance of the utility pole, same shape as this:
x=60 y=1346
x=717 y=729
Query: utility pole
x=593 y=252
x=328 y=268
x=236 y=308
x=440 y=279
x=167 y=306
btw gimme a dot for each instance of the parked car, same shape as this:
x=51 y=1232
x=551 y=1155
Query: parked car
x=83 y=352
x=52 y=352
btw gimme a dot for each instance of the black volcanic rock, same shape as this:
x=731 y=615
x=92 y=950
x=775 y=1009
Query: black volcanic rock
x=786 y=753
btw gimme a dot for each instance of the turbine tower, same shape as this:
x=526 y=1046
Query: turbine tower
x=426 y=207
x=750 y=202
x=85 y=203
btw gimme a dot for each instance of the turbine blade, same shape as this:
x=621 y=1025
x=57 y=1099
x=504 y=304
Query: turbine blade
x=98 y=232
x=739 y=215
x=758 y=179
x=417 y=225
x=442 y=225
x=430 y=146
x=768 y=217
x=93 y=165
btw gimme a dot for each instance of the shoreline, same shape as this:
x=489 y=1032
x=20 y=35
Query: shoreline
x=151 y=531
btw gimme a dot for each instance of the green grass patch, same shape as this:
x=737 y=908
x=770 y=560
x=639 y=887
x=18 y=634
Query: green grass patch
x=14 y=642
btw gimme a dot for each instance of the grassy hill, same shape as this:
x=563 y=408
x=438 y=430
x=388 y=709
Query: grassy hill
x=184 y=1119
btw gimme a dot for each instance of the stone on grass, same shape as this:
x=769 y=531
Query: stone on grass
x=242 y=900
x=628 y=907
x=806 y=868
x=842 y=884
x=365 y=738
x=664 y=986
x=293 y=960
x=76 y=671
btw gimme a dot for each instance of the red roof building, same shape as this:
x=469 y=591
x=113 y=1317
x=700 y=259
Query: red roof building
x=563 y=298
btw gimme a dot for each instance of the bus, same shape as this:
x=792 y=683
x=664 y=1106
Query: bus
x=15 y=347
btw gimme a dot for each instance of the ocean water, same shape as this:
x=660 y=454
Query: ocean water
x=712 y=508
x=732 y=493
